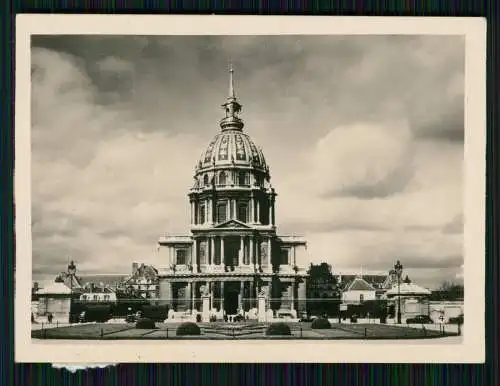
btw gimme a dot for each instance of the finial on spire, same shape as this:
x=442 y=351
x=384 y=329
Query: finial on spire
x=231 y=82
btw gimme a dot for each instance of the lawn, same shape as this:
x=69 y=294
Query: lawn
x=231 y=331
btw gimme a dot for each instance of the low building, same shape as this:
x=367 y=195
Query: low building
x=54 y=304
x=358 y=291
x=414 y=299
x=96 y=293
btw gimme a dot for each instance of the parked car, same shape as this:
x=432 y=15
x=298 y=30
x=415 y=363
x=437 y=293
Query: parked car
x=307 y=318
x=457 y=319
x=419 y=319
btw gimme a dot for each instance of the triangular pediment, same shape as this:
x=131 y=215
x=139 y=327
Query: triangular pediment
x=232 y=224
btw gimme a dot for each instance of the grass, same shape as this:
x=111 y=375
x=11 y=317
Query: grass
x=218 y=331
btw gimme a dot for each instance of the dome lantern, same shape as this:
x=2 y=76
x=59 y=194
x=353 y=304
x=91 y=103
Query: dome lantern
x=232 y=108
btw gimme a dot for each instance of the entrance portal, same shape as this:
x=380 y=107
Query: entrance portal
x=231 y=302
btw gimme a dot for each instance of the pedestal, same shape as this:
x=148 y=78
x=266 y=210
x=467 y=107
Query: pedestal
x=261 y=308
x=205 y=308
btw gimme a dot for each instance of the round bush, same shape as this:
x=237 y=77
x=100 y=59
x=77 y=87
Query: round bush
x=145 y=323
x=321 y=323
x=278 y=329
x=188 y=328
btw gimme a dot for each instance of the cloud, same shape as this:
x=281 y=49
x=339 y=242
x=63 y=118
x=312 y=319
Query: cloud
x=363 y=134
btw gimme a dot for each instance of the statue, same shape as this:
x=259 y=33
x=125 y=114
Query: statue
x=204 y=290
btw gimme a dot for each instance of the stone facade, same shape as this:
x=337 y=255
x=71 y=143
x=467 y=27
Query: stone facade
x=233 y=250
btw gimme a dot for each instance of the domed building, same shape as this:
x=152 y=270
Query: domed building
x=233 y=252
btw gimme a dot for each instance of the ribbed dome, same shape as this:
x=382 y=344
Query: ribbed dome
x=232 y=147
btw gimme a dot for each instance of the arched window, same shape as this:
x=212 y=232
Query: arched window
x=222 y=178
x=205 y=180
x=242 y=178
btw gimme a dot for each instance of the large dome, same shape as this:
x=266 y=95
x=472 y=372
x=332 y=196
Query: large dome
x=232 y=148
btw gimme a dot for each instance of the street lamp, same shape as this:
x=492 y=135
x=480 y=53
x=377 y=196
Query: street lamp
x=398 y=268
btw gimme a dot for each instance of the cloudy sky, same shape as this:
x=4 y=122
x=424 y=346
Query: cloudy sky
x=363 y=134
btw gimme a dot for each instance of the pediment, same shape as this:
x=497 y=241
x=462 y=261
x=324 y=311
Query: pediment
x=232 y=224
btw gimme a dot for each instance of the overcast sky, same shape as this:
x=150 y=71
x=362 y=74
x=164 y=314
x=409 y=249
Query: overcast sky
x=363 y=135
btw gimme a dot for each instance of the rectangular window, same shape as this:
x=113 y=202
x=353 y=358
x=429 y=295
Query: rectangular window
x=242 y=212
x=181 y=256
x=221 y=212
x=284 y=257
x=202 y=214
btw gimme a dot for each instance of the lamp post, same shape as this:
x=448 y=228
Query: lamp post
x=398 y=268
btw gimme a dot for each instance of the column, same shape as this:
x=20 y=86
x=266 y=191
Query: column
x=193 y=297
x=206 y=212
x=294 y=255
x=212 y=250
x=251 y=257
x=170 y=254
x=251 y=209
x=273 y=213
x=235 y=215
x=269 y=251
x=292 y=297
x=211 y=293
x=301 y=296
x=187 y=299
x=258 y=213
x=222 y=261
x=252 y=294
x=242 y=251
x=192 y=212
x=195 y=255
x=242 y=293
x=229 y=210
x=222 y=297
x=270 y=210
x=209 y=211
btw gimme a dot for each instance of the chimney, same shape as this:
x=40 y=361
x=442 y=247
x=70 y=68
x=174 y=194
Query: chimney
x=135 y=267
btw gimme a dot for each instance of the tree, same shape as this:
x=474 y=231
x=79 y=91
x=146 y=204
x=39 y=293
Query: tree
x=276 y=293
x=322 y=289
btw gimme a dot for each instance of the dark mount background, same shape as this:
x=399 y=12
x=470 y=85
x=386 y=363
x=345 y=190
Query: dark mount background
x=250 y=374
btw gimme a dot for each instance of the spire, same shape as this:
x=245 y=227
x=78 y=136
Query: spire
x=231 y=83
x=231 y=121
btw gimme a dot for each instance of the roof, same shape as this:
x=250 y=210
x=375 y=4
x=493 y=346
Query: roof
x=359 y=284
x=55 y=289
x=231 y=148
x=375 y=281
x=408 y=289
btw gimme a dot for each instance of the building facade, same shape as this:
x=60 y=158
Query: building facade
x=233 y=251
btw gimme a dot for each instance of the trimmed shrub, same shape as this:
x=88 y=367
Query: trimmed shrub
x=321 y=324
x=198 y=318
x=354 y=318
x=188 y=328
x=145 y=323
x=278 y=329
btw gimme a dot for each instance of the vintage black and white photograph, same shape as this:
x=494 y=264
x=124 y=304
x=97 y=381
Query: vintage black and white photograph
x=241 y=189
